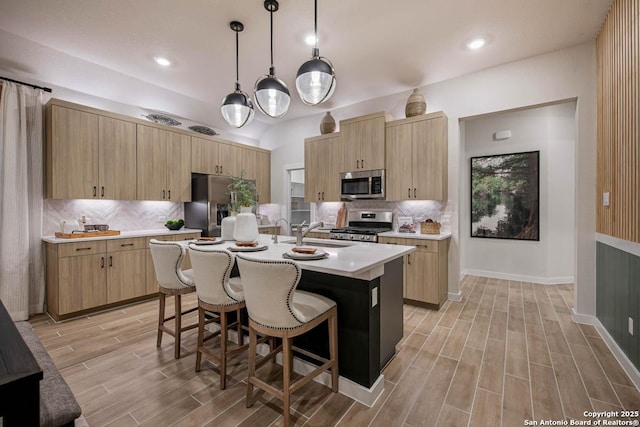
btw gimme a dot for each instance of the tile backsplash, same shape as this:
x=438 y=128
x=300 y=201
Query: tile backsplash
x=118 y=214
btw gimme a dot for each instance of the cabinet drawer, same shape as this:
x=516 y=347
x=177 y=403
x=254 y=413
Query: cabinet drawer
x=189 y=236
x=394 y=241
x=425 y=245
x=81 y=248
x=125 y=244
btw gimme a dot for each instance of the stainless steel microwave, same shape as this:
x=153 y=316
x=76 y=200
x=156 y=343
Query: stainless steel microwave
x=362 y=185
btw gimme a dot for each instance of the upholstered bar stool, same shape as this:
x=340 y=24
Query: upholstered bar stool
x=277 y=309
x=172 y=281
x=217 y=294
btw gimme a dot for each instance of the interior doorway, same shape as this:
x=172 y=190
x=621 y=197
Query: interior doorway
x=298 y=209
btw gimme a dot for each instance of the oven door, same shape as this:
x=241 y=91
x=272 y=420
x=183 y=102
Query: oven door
x=362 y=185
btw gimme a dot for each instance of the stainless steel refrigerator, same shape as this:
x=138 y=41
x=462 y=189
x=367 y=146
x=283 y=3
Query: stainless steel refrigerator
x=209 y=203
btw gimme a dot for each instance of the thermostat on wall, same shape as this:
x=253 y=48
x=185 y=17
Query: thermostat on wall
x=501 y=135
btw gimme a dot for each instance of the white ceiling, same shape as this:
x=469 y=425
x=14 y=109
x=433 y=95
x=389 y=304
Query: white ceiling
x=377 y=47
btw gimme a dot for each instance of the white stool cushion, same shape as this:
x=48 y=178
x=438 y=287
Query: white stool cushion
x=235 y=288
x=306 y=306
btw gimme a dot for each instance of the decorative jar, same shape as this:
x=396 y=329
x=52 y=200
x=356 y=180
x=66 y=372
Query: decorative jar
x=246 y=227
x=227 y=227
x=327 y=124
x=416 y=104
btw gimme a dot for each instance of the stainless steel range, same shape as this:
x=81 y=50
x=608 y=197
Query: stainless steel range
x=364 y=226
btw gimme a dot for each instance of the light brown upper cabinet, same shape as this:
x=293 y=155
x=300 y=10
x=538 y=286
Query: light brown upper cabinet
x=164 y=164
x=323 y=162
x=215 y=157
x=263 y=176
x=363 y=139
x=89 y=156
x=416 y=158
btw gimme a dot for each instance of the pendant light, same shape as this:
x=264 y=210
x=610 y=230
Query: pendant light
x=237 y=108
x=271 y=93
x=316 y=78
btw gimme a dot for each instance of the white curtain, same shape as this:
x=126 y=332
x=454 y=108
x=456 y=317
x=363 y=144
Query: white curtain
x=21 y=182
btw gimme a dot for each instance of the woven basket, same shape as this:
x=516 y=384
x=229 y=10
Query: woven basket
x=430 y=228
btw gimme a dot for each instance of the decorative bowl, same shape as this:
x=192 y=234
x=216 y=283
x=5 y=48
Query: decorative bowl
x=174 y=227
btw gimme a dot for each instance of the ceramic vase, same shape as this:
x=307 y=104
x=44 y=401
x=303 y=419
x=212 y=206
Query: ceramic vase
x=246 y=227
x=416 y=104
x=327 y=124
x=227 y=227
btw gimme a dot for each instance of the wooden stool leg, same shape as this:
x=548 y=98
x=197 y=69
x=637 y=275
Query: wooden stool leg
x=200 y=338
x=272 y=346
x=287 y=356
x=251 y=371
x=239 y=328
x=223 y=349
x=333 y=349
x=178 y=325
x=162 y=300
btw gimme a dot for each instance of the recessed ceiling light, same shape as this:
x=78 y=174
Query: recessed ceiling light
x=161 y=60
x=310 y=40
x=476 y=43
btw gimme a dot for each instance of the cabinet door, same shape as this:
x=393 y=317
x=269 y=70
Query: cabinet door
x=312 y=168
x=178 y=167
x=351 y=135
x=230 y=160
x=81 y=282
x=126 y=275
x=331 y=160
x=399 y=162
x=249 y=163
x=151 y=163
x=263 y=176
x=430 y=147
x=372 y=142
x=72 y=154
x=422 y=277
x=117 y=167
x=204 y=156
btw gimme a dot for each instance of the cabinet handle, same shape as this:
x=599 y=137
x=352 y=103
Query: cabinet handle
x=257 y=197
x=362 y=163
x=323 y=195
x=83 y=249
x=357 y=164
x=169 y=193
x=409 y=259
x=319 y=195
x=102 y=191
x=95 y=191
x=220 y=168
x=408 y=192
x=163 y=194
x=217 y=168
x=101 y=262
x=110 y=261
x=414 y=193
x=126 y=244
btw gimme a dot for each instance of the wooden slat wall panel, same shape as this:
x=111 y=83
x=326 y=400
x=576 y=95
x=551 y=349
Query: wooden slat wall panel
x=618 y=64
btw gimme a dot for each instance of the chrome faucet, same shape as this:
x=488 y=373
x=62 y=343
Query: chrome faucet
x=300 y=232
x=275 y=235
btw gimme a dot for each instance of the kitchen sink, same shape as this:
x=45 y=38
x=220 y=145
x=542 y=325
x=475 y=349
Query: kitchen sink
x=318 y=244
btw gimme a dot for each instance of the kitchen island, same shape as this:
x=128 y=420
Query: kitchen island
x=365 y=281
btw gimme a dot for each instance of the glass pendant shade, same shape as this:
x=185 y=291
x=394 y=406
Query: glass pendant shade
x=316 y=80
x=272 y=96
x=237 y=108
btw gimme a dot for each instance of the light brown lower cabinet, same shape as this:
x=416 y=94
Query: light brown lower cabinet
x=82 y=277
x=425 y=270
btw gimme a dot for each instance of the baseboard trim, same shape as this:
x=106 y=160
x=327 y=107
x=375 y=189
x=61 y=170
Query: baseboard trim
x=520 y=278
x=617 y=352
x=455 y=297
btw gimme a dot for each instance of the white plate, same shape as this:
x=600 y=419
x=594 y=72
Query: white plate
x=247 y=248
x=320 y=254
x=208 y=242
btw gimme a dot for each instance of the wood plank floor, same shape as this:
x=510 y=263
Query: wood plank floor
x=507 y=353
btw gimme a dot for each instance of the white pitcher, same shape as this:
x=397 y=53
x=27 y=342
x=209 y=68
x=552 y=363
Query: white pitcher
x=69 y=225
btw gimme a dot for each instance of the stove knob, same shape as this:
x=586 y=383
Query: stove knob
x=351 y=236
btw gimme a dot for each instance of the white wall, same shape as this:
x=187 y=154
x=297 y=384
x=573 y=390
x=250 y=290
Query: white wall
x=550 y=130
x=552 y=77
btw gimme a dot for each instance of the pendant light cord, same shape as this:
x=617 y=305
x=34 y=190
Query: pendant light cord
x=237 y=62
x=271 y=19
x=315 y=23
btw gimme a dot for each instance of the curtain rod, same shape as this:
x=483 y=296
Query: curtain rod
x=46 y=89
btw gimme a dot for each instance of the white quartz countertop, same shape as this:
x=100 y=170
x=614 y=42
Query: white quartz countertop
x=123 y=235
x=360 y=260
x=442 y=236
